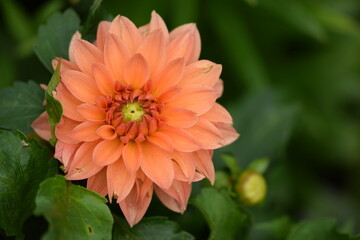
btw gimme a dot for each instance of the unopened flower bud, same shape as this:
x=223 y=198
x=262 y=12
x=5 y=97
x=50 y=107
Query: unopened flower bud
x=251 y=187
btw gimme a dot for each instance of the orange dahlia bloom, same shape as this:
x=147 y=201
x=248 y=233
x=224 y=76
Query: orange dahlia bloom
x=139 y=114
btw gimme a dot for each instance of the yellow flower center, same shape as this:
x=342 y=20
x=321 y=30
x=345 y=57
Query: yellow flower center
x=132 y=112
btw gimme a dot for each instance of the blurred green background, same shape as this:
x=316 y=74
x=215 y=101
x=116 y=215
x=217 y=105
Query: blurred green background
x=291 y=71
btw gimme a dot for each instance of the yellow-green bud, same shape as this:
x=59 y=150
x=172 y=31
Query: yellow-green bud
x=251 y=187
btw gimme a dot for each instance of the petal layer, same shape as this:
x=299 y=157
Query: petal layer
x=157 y=165
x=107 y=152
x=119 y=181
x=81 y=85
x=83 y=165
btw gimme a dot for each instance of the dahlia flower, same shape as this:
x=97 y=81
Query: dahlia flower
x=139 y=114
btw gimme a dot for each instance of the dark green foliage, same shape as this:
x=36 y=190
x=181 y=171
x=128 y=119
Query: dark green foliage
x=154 y=228
x=72 y=211
x=20 y=105
x=24 y=163
x=53 y=106
x=223 y=215
x=55 y=36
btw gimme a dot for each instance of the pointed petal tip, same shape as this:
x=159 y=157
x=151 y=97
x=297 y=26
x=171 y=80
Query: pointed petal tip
x=42 y=127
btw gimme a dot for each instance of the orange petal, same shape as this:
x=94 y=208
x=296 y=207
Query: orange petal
x=137 y=202
x=186 y=164
x=179 y=117
x=228 y=133
x=157 y=165
x=130 y=34
x=205 y=165
x=86 y=54
x=161 y=140
x=196 y=98
x=83 y=165
x=182 y=140
x=74 y=39
x=144 y=30
x=169 y=77
x=201 y=72
x=179 y=174
x=102 y=31
x=180 y=47
x=127 y=31
x=65 y=65
x=154 y=51
x=107 y=152
x=81 y=85
x=119 y=181
x=68 y=102
x=194 y=42
x=116 y=55
x=136 y=71
x=218 y=114
x=176 y=197
x=207 y=134
x=115 y=26
x=42 y=126
x=169 y=95
x=198 y=177
x=65 y=152
x=97 y=182
x=131 y=156
x=219 y=87
x=157 y=22
x=104 y=79
x=85 y=131
x=64 y=128
x=91 y=112
x=106 y=132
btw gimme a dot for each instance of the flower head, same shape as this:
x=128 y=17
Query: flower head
x=139 y=114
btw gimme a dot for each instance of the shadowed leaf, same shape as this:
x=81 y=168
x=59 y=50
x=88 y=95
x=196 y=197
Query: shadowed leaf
x=72 y=211
x=152 y=228
x=53 y=106
x=24 y=163
x=225 y=218
x=54 y=37
x=20 y=105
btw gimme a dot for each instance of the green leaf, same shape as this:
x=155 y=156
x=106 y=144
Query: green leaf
x=265 y=123
x=232 y=164
x=319 y=229
x=7 y=69
x=96 y=14
x=48 y=8
x=252 y=2
x=335 y=20
x=55 y=36
x=296 y=15
x=259 y=165
x=24 y=163
x=225 y=218
x=72 y=211
x=277 y=228
x=153 y=228
x=236 y=38
x=20 y=105
x=92 y=17
x=184 y=11
x=53 y=106
x=222 y=180
x=18 y=23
